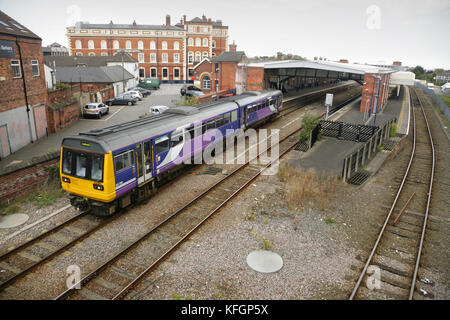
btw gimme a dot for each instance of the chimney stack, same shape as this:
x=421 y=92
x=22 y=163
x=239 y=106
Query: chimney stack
x=397 y=63
x=343 y=61
x=204 y=18
x=209 y=20
x=219 y=22
x=168 y=20
x=184 y=19
x=233 y=47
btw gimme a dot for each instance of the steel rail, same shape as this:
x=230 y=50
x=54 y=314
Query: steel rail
x=369 y=259
x=422 y=236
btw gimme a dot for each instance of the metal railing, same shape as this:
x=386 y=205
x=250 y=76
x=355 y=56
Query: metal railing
x=359 y=158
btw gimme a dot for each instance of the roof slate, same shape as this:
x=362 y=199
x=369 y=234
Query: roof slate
x=109 y=74
x=15 y=28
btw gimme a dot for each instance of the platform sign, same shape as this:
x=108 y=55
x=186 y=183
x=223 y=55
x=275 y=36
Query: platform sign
x=328 y=102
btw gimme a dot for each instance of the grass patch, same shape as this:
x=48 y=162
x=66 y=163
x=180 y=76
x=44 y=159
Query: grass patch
x=329 y=221
x=12 y=209
x=309 y=122
x=266 y=243
x=380 y=148
x=304 y=189
x=185 y=101
x=393 y=130
x=176 y=296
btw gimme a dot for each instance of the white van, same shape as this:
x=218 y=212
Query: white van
x=430 y=85
x=158 y=109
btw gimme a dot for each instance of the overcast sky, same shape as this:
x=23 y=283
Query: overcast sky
x=379 y=31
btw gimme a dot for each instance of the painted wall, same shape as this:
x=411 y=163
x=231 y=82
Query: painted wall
x=18 y=130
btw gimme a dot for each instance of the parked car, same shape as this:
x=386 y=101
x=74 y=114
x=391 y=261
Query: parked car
x=144 y=92
x=122 y=100
x=95 y=109
x=146 y=83
x=193 y=93
x=134 y=94
x=158 y=109
x=189 y=88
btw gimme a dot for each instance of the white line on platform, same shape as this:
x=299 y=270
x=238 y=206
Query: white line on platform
x=37 y=222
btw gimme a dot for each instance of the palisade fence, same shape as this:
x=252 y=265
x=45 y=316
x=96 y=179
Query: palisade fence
x=359 y=158
x=441 y=104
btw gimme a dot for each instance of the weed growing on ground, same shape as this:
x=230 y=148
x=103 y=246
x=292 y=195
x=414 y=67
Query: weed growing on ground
x=266 y=243
x=12 y=209
x=393 y=130
x=329 y=221
x=380 y=148
x=305 y=189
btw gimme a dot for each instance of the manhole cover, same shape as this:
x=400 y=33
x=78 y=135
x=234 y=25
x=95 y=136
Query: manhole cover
x=13 y=220
x=264 y=261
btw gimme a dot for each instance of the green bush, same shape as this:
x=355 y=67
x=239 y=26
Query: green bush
x=309 y=122
x=393 y=130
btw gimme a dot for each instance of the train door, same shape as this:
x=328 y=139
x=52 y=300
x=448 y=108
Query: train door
x=140 y=163
x=148 y=160
x=243 y=117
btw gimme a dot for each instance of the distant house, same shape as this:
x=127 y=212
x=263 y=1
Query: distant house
x=443 y=77
x=55 y=49
x=446 y=88
x=120 y=59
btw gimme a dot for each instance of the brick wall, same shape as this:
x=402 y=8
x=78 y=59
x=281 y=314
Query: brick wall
x=59 y=118
x=372 y=89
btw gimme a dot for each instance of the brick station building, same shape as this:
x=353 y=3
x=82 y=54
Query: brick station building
x=167 y=52
x=23 y=92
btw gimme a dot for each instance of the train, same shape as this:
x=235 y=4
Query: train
x=107 y=169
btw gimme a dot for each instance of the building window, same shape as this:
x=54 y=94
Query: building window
x=198 y=42
x=164 y=45
x=165 y=58
x=190 y=57
x=205 y=54
x=176 y=73
x=213 y=43
x=206 y=82
x=140 y=45
x=152 y=45
x=91 y=44
x=35 y=67
x=141 y=72
x=197 y=56
x=152 y=57
x=103 y=44
x=176 y=57
x=78 y=44
x=91 y=54
x=140 y=57
x=116 y=44
x=17 y=73
x=165 y=73
x=190 y=42
x=176 y=45
x=205 y=42
x=128 y=44
x=191 y=72
x=153 y=72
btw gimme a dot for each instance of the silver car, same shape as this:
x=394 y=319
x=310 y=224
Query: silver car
x=95 y=109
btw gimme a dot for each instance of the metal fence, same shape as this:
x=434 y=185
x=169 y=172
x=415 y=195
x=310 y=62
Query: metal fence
x=359 y=158
x=347 y=131
x=441 y=104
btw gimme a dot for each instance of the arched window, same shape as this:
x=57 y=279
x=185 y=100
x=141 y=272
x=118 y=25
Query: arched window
x=164 y=45
x=103 y=44
x=152 y=45
x=91 y=44
x=116 y=44
x=128 y=44
x=91 y=54
x=198 y=42
x=205 y=42
x=205 y=54
x=197 y=56
x=190 y=57
x=79 y=54
x=213 y=43
x=140 y=45
x=78 y=44
x=176 y=45
x=190 y=42
x=206 y=83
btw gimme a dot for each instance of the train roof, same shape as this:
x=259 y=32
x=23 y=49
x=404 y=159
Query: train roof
x=127 y=133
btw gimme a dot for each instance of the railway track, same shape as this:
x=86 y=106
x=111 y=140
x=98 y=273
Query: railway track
x=394 y=261
x=24 y=258
x=117 y=276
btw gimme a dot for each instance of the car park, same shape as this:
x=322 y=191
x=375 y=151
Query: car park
x=158 y=109
x=122 y=100
x=186 y=88
x=95 y=109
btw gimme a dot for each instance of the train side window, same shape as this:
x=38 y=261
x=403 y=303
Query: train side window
x=219 y=121
x=234 y=116
x=124 y=160
x=267 y=103
x=176 y=139
x=226 y=118
x=161 y=144
x=211 y=124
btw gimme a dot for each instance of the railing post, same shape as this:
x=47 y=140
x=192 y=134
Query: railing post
x=357 y=160
x=363 y=159
x=344 y=172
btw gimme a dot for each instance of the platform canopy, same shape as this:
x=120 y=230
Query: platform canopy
x=405 y=78
x=320 y=69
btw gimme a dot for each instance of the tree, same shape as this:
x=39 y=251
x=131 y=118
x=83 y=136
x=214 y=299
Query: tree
x=418 y=71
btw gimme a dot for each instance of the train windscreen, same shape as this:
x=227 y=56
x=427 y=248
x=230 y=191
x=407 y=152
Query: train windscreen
x=83 y=165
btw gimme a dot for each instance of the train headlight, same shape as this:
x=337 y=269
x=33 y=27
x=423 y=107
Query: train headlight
x=65 y=179
x=98 y=187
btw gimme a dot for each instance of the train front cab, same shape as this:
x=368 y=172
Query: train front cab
x=87 y=174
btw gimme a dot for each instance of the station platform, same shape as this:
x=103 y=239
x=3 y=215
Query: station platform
x=327 y=155
x=294 y=94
